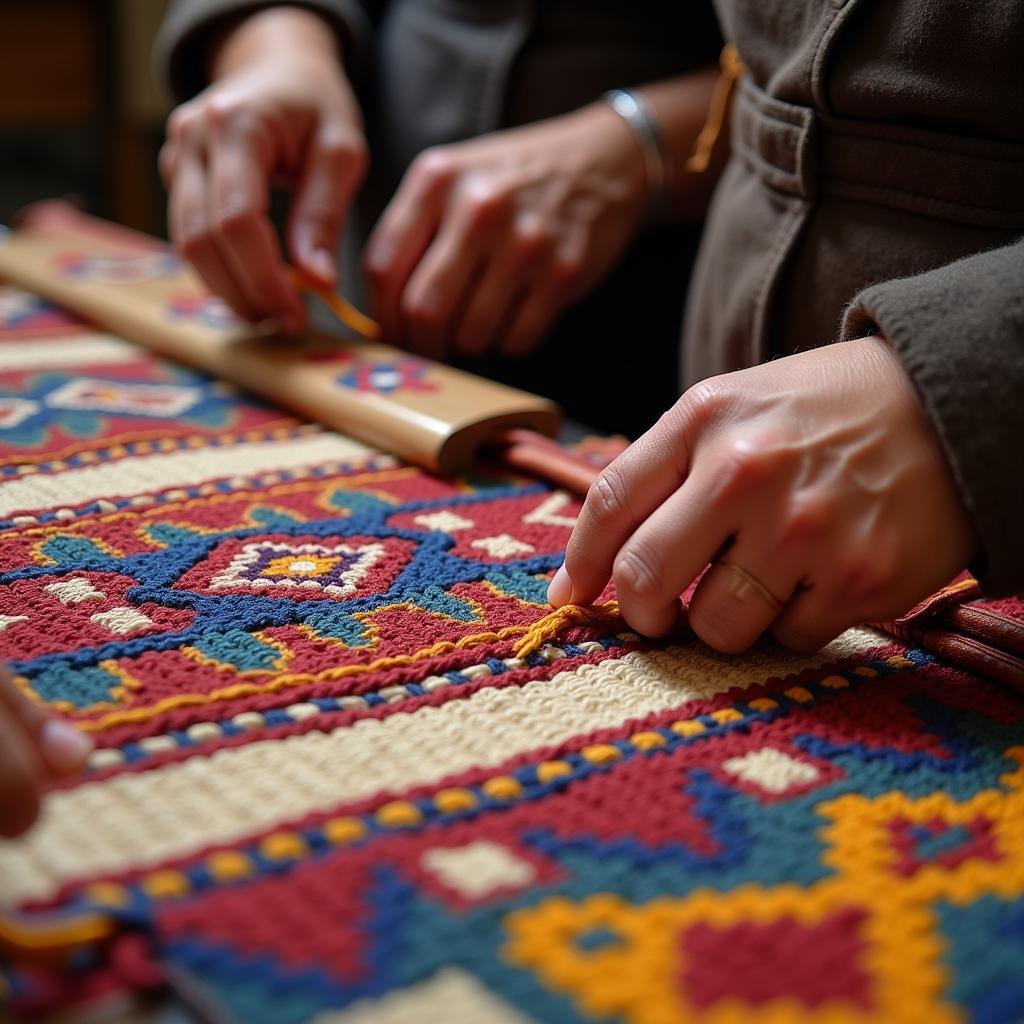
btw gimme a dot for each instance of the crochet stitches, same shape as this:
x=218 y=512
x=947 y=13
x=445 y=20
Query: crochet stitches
x=352 y=769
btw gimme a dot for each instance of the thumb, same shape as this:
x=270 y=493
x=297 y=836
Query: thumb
x=334 y=167
x=60 y=747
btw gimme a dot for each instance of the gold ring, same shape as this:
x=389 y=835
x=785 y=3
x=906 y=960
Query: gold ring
x=742 y=583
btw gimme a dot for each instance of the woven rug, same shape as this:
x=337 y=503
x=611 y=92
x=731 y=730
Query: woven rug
x=350 y=769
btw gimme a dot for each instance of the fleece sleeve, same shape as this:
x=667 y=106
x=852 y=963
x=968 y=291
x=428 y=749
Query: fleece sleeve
x=179 y=55
x=959 y=331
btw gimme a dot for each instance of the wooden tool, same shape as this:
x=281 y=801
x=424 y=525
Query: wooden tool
x=426 y=412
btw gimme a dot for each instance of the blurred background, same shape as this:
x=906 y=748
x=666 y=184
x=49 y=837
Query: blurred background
x=80 y=113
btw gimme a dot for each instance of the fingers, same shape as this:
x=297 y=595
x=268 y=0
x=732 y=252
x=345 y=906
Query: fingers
x=400 y=239
x=20 y=777
x=60 y=747
x=519 y=293
x=440 y=286
x=30 y=715
x=219 y=164
x=555 y=286
x=239 y=163
x=496 y=300
x=333 y=170
x=865 y=579
x=190 y=229
x=622 y=497
x=739 y=597
x=809 y=622
x=665 y=554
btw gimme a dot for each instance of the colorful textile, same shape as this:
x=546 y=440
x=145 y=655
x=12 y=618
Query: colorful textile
x=351 y=769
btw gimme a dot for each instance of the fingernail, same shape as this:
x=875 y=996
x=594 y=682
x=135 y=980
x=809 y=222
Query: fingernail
x=322 y=263
x=63 y=746
x=560 y=588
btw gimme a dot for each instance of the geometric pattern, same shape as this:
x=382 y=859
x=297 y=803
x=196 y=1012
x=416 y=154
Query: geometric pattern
x=205 y=309
x=117 y=268
x=296 y=569
x=406 y=373
x=349 y=769
x=102 y=396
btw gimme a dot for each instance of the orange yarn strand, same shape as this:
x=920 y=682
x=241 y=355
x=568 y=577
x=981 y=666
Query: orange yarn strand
x=548 y=628
x=732 y=68
x=339 y=306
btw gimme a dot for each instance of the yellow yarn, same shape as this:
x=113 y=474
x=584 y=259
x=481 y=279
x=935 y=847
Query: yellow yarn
x=548 y=628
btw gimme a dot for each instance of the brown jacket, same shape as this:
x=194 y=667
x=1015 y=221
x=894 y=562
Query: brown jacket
x=877 y=183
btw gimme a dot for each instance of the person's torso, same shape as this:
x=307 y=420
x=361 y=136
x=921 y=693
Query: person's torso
x=871 y=139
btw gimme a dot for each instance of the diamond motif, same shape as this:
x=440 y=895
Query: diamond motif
x=122 y=620
x=301 y=568
x=335 y=570
x=74 y=590
x=771 y=769
x=163 y=400
x=477 y=869
x=444 y=521
x=504 y=545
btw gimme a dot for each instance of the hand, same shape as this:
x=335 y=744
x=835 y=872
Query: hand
x=35 y=750
x=486 y=241
x=817 y=475
x=280 y=108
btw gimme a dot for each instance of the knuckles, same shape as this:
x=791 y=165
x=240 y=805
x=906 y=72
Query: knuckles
x=484 y=203
x=433 y=167
x=182 y=122
x=865 y=575
x=636 y=572
x=806 y=523
x=234 y=221
x=606 y=500
x=421 y=310
x=568 y=271
x=529 y=244
x=345 y=152
x=703 y=400
x=223 y=111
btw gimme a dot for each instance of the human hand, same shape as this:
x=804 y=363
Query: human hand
x=35 y=750
x=486 y=241
x=817 y=476
x=280 y=108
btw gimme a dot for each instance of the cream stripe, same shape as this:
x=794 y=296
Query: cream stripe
x=453 y=996
x=74 y=350
x=138 y=820
x=148 y=473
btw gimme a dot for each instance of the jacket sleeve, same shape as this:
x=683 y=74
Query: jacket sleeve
x=179 y=53
x=959 y=331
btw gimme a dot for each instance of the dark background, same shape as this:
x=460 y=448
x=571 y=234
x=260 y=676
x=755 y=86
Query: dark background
x=80 y=114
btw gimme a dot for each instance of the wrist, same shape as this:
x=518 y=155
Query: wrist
x=638 y=116
x=273 y=34
x=611 y=146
